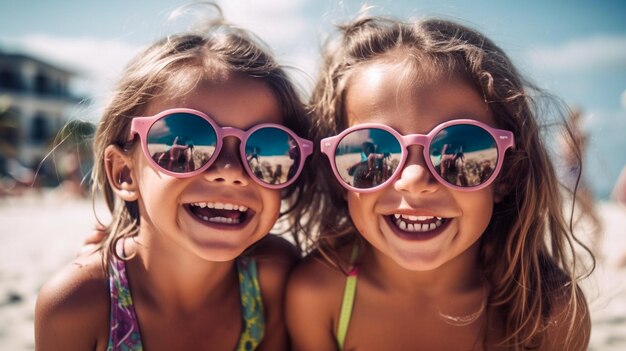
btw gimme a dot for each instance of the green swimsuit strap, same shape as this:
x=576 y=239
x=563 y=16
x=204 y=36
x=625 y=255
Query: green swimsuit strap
x=253 y=317
x=347 y=303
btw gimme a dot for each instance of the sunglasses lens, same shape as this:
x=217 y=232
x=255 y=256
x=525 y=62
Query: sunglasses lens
x=181 y=142
x=273 y=155
x=366 y=158
x=464 y=155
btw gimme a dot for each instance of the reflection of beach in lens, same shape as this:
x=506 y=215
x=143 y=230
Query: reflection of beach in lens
x=366 y=158
x=472 y=169
x=181 y=142
x=464 y=155
x=200 y=155
x=272 y=155
x=363 y=174
x=271 y=169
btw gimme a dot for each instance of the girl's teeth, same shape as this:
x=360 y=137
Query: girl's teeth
x=222 y=220
x=432 y=223
x=221 y=206
x=230 y=219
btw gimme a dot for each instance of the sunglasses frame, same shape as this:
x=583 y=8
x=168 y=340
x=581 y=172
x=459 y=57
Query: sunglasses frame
x=141 y=126
x=504 y=140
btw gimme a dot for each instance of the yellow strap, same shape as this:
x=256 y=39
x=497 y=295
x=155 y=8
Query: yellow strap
x=347 y=303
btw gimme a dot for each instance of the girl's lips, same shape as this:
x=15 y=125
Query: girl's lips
x=416 y=228
x=219 y=215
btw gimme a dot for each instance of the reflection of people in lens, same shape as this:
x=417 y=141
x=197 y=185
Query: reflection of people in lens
x=486 y=169
x=459 y=161
x=278 y=172
x=252 y=154
x=372 y=169
x=178 y=156
x=447 y=166
x=252 y=157
x=294 y=154
x=452 y=166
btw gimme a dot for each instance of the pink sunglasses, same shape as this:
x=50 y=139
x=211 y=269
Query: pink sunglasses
x=462 y=154
x=183 y=142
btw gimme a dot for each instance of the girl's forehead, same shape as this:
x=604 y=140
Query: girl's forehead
x=235 y=101
x=403 y=98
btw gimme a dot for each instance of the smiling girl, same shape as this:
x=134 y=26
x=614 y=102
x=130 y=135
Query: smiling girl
x=458 y=242
x=188 y=263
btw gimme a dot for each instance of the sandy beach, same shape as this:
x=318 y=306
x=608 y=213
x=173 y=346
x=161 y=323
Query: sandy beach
x=41 y=232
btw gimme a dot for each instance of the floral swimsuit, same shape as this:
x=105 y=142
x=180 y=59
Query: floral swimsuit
x=124 y=332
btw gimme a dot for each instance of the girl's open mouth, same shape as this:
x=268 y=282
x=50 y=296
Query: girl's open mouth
x=221 y=213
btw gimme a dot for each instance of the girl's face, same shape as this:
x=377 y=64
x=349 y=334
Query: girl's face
x=172 y=208
x=384 y=93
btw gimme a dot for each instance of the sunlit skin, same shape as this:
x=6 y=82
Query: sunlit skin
x=405 y=283
x=184 y=282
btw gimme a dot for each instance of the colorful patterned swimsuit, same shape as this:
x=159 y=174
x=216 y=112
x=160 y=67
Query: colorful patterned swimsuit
x=124 y=332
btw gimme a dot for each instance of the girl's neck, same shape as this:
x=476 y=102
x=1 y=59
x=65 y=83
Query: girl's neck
x=459 y=275
x=170 y=277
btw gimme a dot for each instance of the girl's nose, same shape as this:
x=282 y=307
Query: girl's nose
x=228 y=168
x=415 y=176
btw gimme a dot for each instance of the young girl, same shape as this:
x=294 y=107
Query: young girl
x=430 y=256
x=187 y=261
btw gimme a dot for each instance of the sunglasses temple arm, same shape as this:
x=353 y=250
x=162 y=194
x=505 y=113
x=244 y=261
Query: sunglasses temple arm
x=506 y=139
x=307 y=147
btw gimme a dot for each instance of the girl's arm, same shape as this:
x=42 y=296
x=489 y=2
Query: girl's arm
x=313 y=299
x=72 y=308
x=275 y=259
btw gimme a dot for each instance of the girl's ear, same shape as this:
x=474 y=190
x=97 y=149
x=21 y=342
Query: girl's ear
x=122 y=180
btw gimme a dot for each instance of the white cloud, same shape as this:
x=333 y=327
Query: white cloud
x=280 y=23
x=583 y=53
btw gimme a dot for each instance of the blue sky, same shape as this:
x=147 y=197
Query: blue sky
x=575 y=49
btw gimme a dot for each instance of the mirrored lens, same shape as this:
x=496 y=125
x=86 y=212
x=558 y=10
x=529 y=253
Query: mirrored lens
x=367 y=158
x=273 y=155
x=181 y=142
x=464 y=155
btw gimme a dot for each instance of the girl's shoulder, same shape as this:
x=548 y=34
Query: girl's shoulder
x=321 y=277
x=314 y=297
x=318 y=269
x=569 y=325
x=72 y=307
x=317 y=281
x=323 y=271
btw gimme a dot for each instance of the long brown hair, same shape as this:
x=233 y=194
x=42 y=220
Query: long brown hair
x=528 y=252
x=172 y=67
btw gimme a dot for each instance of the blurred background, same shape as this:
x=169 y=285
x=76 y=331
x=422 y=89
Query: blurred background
x=59 y=60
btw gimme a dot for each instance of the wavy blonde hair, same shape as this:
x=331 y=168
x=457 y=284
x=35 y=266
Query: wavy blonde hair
x=528 y=252
x=172 y=67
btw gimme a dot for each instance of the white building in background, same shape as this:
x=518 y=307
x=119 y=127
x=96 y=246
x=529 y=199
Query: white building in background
x=36 y=102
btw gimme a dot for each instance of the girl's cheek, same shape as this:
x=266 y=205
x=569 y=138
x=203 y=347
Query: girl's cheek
x=272 y=203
